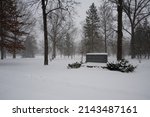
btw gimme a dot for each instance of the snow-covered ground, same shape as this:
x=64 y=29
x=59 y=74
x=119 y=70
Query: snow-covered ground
x=30 y=79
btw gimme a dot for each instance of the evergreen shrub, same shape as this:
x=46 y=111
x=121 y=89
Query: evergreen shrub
x=122 y=66
x=74 y=65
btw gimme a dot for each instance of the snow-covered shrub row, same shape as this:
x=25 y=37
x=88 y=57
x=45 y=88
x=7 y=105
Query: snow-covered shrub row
x=122 y=65
x=74 y=65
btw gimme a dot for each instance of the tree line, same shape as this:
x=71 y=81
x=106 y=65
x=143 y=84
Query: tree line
x=103 y=28
x=142 y=40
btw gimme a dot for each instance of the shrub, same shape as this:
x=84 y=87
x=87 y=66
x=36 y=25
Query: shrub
x=122 y=66
x=74 y=65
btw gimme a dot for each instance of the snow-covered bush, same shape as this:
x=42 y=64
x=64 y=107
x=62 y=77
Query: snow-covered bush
x=123 y=66
x=74 y=65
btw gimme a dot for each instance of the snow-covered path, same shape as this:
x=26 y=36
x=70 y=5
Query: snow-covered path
x=30 y=79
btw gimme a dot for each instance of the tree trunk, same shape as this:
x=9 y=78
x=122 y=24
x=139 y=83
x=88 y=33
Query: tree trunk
x=14 y=48
x=132 y=46
x=54 y=50
x=92 y=44
x=1 y=32
x=45 y=33
x=2 y=44
x=2 y=49
x=105 y=40
x=120 y=34
x=14 y=53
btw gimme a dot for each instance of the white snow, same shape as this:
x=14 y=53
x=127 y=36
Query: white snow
x=97 y=54
x=30 y=79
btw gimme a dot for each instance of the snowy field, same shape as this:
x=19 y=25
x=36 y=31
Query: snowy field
x=29 y=79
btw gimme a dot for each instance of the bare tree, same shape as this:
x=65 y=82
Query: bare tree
x=106 y=21
x=119 y=4
x=30 y=47
x=68 y=42
x=136 y=11
x=49 y=6
x=59 y=25
x=44 y=4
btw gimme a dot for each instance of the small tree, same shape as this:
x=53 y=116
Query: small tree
x=68 y=45
x=30 y=47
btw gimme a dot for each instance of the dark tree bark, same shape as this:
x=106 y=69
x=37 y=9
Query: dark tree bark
x=54 y=50
x=105 y=40
x=1 y=31
x=132 y=44
x=2 y=49
x=45 y=33
x=14 y=48
x=120 y=34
